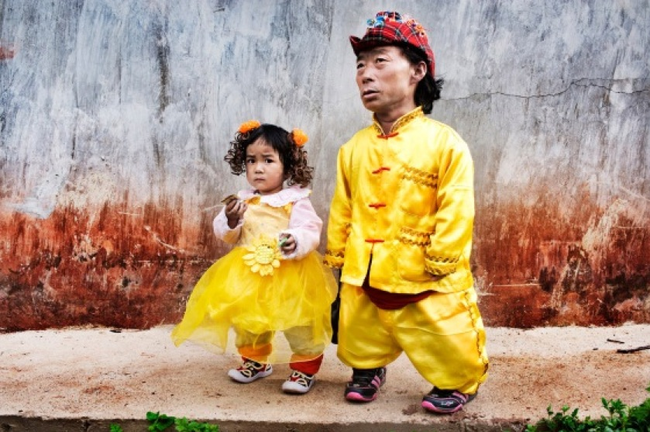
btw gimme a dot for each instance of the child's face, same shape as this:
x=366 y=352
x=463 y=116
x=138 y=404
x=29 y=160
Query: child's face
x=264 y=168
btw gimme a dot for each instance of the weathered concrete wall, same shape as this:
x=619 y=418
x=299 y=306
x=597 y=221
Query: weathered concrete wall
x=115 y=117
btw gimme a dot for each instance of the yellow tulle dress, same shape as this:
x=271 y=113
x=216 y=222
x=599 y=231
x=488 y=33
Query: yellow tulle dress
x=257 y=303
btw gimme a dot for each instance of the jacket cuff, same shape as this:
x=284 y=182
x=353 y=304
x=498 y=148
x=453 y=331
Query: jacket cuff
x=439 y=266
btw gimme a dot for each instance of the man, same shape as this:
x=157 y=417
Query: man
x=400 y=228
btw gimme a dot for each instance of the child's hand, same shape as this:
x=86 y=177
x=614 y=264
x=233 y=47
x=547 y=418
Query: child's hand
x=287 y=244
x=234 y=211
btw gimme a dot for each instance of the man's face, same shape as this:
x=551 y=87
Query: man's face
x=387 y=80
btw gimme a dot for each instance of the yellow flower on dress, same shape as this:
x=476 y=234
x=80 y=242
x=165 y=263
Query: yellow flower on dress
x=264 y=256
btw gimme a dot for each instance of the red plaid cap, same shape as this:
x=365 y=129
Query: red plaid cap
x=392 y=28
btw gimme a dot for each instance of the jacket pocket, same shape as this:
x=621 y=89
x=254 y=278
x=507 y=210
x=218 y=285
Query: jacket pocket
x=410 y=254
x=419 y=190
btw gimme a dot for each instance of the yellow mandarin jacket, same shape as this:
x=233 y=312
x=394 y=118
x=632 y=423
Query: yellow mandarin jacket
x=405 y=199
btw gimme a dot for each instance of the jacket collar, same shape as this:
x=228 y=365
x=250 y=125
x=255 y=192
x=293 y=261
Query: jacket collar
x=401 y=122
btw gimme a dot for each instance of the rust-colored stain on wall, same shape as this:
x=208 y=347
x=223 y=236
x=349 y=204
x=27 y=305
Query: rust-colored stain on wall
x=117 y=269
x=111 y=270
x=539 y=267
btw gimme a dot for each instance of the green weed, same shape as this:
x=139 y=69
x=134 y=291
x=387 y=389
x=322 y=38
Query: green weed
x=620 y=418
x=161 y=422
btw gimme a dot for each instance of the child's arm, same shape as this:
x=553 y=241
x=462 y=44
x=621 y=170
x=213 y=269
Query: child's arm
x=305 y=227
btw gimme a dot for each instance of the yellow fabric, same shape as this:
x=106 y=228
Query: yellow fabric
x=408 y=200
x=443 y=336
x=295 y=298
x=259 y=347
x=263 y=220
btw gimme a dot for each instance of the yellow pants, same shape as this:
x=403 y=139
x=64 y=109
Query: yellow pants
x=442 y=335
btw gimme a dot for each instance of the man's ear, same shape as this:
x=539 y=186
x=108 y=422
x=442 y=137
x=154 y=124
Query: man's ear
x=419 y=71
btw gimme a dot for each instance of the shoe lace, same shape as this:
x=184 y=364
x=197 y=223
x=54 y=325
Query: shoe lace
x=454 y=394
x=250 y=367
x=301 y=378
x=363 y=377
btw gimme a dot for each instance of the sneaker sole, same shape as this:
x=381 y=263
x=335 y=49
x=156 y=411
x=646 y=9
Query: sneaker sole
x=236 y=376
x=356 y=397
x=431 y=407
x=292 y=388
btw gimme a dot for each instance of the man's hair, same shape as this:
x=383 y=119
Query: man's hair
x=428 y=89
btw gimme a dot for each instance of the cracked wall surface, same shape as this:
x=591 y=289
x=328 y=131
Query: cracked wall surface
x=115 y=117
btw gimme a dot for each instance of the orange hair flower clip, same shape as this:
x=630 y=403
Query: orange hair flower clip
x=299 y=137
x=248 y=126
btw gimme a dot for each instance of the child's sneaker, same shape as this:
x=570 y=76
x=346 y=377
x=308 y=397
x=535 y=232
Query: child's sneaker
x=298 y=383
x=250 y=371
x=365 y=384
x=445 y=401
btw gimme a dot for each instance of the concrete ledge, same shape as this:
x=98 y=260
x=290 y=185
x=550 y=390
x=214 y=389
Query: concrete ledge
x=87 y=425
x=86 y=379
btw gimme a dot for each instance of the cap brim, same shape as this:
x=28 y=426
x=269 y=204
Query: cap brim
x=359 y=45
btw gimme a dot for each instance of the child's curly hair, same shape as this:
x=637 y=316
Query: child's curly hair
x=293 y=157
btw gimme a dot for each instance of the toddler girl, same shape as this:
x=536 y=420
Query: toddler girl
x=273 y=281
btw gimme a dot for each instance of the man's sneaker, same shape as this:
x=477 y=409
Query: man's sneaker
x=250 y=371
x=298 y=383
x=445 y=401
x=365 y=384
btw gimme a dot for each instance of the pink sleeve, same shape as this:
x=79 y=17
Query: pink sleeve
x=305 y=226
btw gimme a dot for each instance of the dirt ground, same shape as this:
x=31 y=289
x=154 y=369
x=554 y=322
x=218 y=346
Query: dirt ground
x=103 y=374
